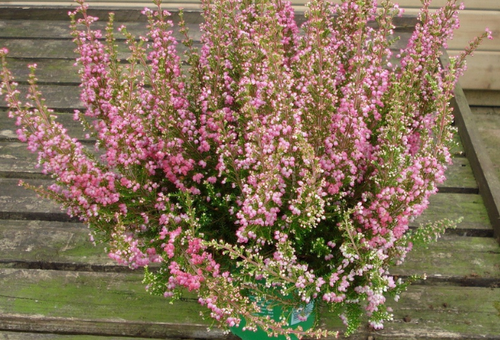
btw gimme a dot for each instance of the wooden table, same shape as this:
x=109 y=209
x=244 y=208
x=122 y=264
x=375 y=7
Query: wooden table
x=55 y=285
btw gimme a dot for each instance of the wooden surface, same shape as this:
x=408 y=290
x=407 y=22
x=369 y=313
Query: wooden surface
x=54 y=284
x=481 y=162
x=482 y=98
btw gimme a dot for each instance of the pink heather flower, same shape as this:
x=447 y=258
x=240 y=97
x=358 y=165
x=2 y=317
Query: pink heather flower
x=489 y=33
x=297 y=155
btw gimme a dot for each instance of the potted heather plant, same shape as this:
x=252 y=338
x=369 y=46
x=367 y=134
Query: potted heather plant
x=278 y=171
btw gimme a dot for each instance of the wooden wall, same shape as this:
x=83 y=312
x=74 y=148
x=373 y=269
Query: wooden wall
x=484 y=67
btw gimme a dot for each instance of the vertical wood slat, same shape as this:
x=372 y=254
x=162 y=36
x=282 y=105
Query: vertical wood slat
x=481 y=164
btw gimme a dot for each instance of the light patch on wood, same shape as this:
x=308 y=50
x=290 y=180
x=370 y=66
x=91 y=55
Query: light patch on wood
x=8 y=134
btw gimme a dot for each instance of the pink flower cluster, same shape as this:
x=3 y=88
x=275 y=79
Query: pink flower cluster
x=285 y=161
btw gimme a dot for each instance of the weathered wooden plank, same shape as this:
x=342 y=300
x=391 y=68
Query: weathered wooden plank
x=66 y=246
x=62 y=72
x=454 y=206
x=54 y=245
x=122 y=13
x=473 y=23
x=483 y=97
x=48 y=48
x=477 y=263
x=35 y=29
x=17 y=161
x=488 y=125
x=52 y=336
x=482 y=166
x=439 y=313
x=39 y=48
x=54 y=71
x=60 y=49
x=489 y=110
x=192 y=13
x=459 y=176
x=30 y=48
x=59 y=98
x=116 y=304
x=50 y=29
x=19 y=203
x=111 y=304
x=87 y=329
x=98 y=329
x=445 y=312
x=8 y=127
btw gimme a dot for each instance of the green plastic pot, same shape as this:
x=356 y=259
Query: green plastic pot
x=275 y=311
